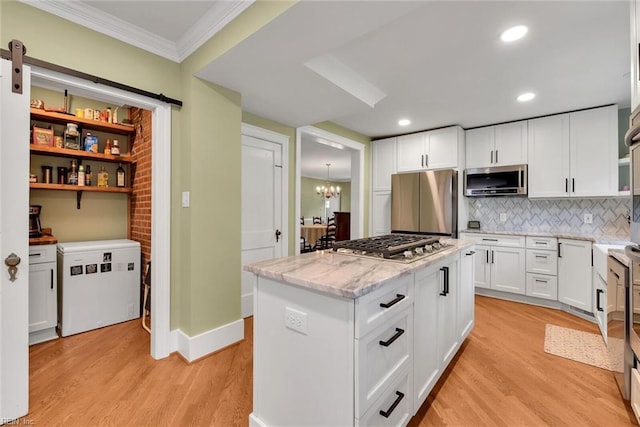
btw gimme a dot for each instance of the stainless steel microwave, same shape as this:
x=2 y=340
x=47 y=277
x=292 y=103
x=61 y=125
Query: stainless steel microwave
x=496 y=181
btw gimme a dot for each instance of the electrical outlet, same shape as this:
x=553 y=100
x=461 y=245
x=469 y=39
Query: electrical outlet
x=296 y=320
x=503 y=217
x=588 y=218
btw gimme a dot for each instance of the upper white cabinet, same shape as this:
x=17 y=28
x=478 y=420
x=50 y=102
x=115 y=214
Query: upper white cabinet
x=436 y=149
x=383 y=163
x=574 y=154
x=497 y=145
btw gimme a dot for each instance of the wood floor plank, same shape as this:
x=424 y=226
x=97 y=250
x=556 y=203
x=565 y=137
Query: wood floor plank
x=501 y=377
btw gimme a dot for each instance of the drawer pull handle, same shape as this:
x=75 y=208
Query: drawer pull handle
x=542 y=281
x=489 y=240
x=541 y=256
x=395 y=336
x=396 y=402
x=397 y=299
x=470 y=253
x=36 y=254
x=541 y=243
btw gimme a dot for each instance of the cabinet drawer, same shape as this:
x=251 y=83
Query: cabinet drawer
x=380 y=355
x=42 y=253
x=379 y=306
x=544 y=262
x=549 y=243
x=542 y=286
x=495 y=239
x=396 y=403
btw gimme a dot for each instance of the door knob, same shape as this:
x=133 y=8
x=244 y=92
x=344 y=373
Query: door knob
x=12 y=261
x=278 y=233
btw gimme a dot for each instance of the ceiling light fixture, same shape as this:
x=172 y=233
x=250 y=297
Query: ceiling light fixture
x=514 y=33
x=526 y=97
x=404 y=122
x=328 y=191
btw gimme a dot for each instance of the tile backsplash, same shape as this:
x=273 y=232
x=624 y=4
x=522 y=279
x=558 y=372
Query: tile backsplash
x=561 y=216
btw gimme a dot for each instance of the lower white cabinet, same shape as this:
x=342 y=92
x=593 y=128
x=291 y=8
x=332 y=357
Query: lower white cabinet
x=435 y=317
x=574 y=274
x=542 y=267
x=499 y=262
x=43 y=291
x=365 y=362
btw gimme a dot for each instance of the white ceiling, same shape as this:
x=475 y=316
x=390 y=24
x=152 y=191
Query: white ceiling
x=437 y=63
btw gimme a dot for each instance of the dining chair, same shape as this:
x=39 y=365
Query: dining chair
x=317 y=220
x=305 y=246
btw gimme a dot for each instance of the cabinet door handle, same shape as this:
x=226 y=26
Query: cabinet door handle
x=397 y=299
x=566 y=185
x=52 y=278
x=598 y=293
x=573 y=185
x=426 y=160
x=559 y=250
x=493 y=257
x=470 y=253
x=496 y=156
x=396 y=402
x=487 y=256
x=445 y=290
x=615 y=274
x=422 y=160
x=492 y=156
x=395 y=336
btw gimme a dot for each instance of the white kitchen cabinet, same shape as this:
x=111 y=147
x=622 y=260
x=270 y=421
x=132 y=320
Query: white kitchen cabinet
x=574 y=274
x=380 y=217
x=383 y=163
x=498 y=145
x=499 y=262
x=542 y=267
x=435 y=315
x=574 y=154
x=43 y=291
x=436 y=149
x=466 y=296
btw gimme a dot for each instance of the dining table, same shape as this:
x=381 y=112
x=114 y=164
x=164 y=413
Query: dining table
x=313 y=232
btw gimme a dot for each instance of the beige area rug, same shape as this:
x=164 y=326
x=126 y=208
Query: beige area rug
x=584 y=347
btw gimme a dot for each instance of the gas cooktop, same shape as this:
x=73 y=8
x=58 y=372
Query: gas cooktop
x=393 y=247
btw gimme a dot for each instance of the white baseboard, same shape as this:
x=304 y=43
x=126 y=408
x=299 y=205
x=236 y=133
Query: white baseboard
x=246 y=305
x=255 y=421
x=192 y=348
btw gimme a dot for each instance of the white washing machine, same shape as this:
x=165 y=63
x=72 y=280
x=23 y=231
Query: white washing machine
x=98 y=284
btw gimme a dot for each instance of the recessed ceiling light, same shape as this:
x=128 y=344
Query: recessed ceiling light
x=526 y=97
x=514 y=33
x=404 y=122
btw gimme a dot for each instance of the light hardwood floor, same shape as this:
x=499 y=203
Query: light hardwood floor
x=501 y=377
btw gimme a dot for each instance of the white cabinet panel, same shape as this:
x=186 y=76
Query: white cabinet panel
x=574 y=274
x=479 y=147
x=380 y=213
x=466 y=295
x=442 y=148
x=436 y=149
x=549 y=156
x=383 y=163
x=542 y=286
x=482 y=267
x=411 y=152
x=498 y=145
x=508 y=269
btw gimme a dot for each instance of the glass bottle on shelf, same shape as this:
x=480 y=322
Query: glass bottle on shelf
x=87 y=176
x=120 y=176
x=81 y=176
x=103 y=177
x=115 y=148
x=107 y=147
x=72 y=176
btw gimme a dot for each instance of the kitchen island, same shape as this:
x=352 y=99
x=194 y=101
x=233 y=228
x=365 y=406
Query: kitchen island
x=345 y=340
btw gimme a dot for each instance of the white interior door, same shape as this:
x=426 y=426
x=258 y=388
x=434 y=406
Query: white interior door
x=14 y=205
x=262 y=209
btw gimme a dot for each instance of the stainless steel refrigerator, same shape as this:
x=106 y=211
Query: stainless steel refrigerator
x=425 y=202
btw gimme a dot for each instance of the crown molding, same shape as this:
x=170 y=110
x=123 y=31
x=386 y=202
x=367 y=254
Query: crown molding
x=80 y=13
x=220 y=14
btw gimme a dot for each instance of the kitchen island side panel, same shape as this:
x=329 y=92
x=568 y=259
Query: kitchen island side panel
x=303 y=357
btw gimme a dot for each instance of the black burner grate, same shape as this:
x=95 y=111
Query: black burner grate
x=388 y=245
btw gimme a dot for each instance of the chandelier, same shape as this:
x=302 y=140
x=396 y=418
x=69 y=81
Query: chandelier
x=328 y=191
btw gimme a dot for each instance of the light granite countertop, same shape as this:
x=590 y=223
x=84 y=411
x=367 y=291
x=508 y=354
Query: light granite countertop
x=559 y=235
x=342 y=275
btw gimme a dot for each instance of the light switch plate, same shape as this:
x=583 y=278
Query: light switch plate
x=503 y=217
x=185 y=199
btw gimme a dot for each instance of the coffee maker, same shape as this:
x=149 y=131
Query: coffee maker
x=35 y=230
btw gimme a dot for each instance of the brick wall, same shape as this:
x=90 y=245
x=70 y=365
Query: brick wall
x=140 y=174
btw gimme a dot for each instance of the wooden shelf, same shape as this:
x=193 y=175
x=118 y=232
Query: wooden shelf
x=65 y=152
x=62 y=118
x=67 y=187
